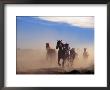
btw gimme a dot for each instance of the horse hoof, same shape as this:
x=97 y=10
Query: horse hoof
x=59 y=64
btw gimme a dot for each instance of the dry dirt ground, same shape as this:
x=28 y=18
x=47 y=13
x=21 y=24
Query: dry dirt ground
x=30 y=61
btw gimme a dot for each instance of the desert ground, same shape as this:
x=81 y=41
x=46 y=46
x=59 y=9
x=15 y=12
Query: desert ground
x=33 y=61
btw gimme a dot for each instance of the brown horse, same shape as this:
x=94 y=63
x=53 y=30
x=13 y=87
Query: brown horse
x=51 y=53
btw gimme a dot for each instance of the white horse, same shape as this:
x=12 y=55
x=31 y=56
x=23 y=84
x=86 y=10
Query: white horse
x=85 y=53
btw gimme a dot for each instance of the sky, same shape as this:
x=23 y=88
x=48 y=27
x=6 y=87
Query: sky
x=34 y=31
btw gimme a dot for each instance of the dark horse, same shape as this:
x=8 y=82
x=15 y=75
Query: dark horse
x=72 y=55
x=63 y=52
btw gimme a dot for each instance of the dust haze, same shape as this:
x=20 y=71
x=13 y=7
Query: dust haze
x=32 y=35
x=33 y=60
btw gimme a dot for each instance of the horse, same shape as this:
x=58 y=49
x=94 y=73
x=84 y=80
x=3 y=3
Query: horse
x=73 y=54
x=62 y=52
x=85 y=53
x=51 y=53
x=66 y=49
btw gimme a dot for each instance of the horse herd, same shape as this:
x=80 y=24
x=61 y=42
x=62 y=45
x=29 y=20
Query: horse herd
x=64 y=53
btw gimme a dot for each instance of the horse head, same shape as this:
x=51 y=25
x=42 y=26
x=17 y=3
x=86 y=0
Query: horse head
x=47 y=45
x=66 y=46
x=59 y=44
x=85 y=49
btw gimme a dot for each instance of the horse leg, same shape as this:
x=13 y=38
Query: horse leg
x=63 y=63
x=68 y=58
x=71 y=62
x=59 y=62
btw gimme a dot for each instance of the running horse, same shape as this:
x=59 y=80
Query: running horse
x=51 y=53
x=73 y=54
x=63 y=52
x=85 y=53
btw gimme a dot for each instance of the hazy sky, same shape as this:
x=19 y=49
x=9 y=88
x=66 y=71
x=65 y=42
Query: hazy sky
x=34 y=32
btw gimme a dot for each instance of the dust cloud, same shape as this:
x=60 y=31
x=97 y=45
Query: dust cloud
x=34 y=59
